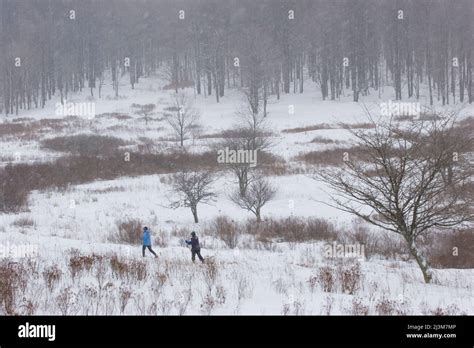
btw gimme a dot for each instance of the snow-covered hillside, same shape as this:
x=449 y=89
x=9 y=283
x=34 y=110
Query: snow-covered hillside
x=74 y=228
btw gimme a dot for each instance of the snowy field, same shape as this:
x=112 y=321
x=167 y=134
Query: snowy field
x=81 y=269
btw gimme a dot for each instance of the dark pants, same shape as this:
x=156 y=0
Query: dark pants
x=149 y=248
x=198 y=253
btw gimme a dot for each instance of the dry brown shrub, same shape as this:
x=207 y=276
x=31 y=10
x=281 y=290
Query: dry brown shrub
x=129 y=231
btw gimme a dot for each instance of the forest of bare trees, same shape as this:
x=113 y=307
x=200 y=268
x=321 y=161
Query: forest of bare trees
x=268 y=47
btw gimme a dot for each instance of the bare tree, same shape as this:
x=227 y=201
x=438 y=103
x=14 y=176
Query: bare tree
x=194 y=187
x=259 y=192
x=243 y=139
x=397 y=183
x=252 y=136
x=146 y=110
x=255 y=125
x=182 y=116
x=259 y=62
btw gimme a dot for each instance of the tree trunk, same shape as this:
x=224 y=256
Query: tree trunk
x=277 y=82
x=216 y=85
x=175 y=77
x=430 y=88
x=422 y=263
x=195 y=214
x=265 y=97
x=257 y=215
x=209 y=82
x=243 y=181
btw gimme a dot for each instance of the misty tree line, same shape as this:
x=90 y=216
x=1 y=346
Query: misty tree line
x=265 y=47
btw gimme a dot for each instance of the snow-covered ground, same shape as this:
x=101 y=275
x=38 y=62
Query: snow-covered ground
x=275 y=279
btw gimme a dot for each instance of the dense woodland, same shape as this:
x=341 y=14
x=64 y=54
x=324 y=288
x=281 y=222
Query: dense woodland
x=265 y=47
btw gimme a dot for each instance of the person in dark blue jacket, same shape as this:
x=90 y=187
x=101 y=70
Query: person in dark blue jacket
x=195 y=247
x=147 y=242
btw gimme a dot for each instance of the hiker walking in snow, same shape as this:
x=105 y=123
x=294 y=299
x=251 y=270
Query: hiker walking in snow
x=195 y=247
x=147 y=242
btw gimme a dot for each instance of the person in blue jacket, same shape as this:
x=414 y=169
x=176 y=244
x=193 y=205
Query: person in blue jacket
x=147 y=242
x=195 y=247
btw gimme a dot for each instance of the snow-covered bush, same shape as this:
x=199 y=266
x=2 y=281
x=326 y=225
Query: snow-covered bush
x=350 y=278
x=52 y=276
x=227 y=230
x=327 y=278
x=358 y=307
x=129 y=231
x=13 y=281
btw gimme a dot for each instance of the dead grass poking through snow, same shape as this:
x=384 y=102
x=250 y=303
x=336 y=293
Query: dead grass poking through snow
x=323 y=140
x=24 y=222
x=328 y=126
x=330 y=157
x=85 y=144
